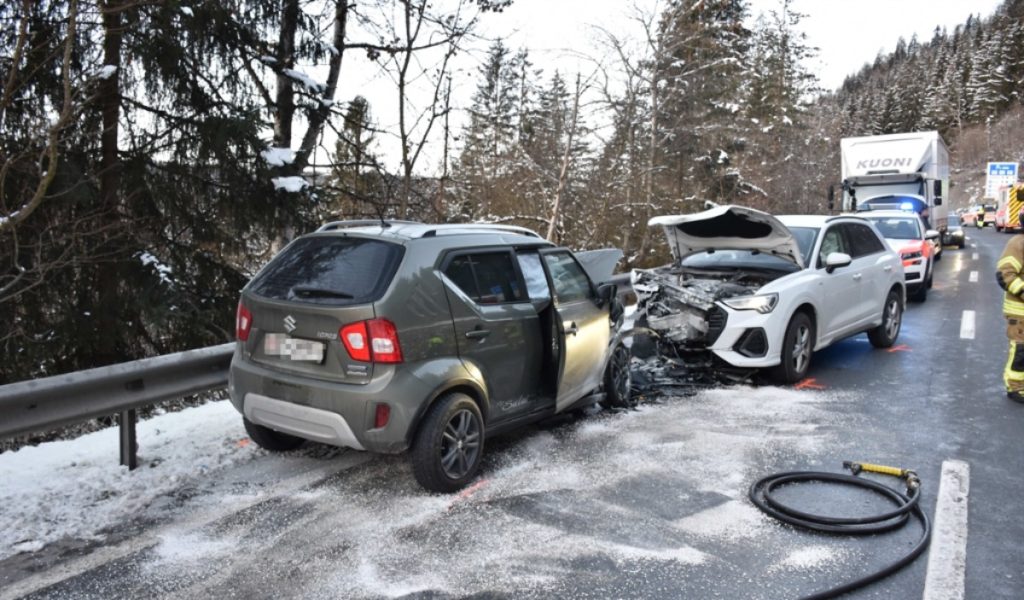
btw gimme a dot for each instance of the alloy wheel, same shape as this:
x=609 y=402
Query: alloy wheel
x=892 y=318
x=802 y=348
x=460 y=444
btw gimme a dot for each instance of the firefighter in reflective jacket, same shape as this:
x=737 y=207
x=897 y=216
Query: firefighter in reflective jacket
x=1010 y=276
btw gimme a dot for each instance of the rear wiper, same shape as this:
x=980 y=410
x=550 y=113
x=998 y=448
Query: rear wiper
x=306 y=291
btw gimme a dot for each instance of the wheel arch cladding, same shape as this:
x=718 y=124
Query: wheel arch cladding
x=466 y=387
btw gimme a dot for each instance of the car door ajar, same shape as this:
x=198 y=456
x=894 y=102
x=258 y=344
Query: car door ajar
x=583 y=328
x=496 y=327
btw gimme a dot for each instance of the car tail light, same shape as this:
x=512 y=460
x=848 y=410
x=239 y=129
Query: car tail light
x=384 y=341
x=374 y=340
x=356 y=341
x=243 y=323
x=381 y=416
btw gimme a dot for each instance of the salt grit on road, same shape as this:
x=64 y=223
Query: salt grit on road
x=579 y=492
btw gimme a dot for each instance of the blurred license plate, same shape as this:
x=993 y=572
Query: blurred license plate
x=280 y=344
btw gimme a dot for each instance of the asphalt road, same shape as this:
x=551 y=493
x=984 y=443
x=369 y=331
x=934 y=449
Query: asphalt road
x=646 y=504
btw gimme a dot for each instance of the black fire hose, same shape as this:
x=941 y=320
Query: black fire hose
x=906 y=505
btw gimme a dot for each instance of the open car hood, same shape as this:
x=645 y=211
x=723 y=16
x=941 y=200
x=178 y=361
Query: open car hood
x=599 y=264
x=728 y=228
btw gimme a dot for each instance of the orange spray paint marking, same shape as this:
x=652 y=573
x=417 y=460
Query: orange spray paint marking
x=466 y=493
x=900 y=348
x=242 y=443
x=809 y=384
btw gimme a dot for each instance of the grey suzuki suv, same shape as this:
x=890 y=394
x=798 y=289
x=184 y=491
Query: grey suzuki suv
x=390 y=336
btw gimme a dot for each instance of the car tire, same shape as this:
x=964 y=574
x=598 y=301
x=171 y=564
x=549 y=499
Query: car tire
x=920 y=293
x=884 y=336
x=961 y=244
x=797 y=347
x=617 y=379
x=268 y=439
x=449 y=444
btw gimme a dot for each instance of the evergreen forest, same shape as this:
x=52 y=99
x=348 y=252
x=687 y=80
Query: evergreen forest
x=154 y=154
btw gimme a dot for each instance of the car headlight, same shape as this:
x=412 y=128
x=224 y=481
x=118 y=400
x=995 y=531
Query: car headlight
x=763 y=304
x=912 y=255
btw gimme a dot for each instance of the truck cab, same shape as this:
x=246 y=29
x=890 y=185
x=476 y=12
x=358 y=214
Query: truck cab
x=903 y=171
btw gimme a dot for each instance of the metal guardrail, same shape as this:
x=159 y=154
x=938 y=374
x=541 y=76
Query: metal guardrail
x=52 y=402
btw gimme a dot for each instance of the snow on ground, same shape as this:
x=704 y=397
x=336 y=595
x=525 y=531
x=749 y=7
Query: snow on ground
x=662 y=485
x=76 y=487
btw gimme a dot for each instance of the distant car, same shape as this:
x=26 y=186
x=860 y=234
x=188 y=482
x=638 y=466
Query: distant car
x=395 y=336
x=906 y=234
x=759 y=291
x=955 y=235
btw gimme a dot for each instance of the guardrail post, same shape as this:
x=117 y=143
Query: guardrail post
x=129 y=446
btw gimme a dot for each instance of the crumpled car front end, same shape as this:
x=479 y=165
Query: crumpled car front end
x=711 y=312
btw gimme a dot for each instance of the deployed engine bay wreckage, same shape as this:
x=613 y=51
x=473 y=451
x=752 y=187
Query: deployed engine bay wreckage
x=721 y=257
x=677 y=319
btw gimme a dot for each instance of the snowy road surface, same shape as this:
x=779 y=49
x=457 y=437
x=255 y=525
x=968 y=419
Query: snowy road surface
x=645 y=504
x=660 y=491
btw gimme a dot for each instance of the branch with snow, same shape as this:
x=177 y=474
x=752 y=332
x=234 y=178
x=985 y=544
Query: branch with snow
x=290 y=184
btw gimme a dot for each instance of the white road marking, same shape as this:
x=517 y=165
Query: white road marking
x=947 y=555
x=967 y=325
x=974 y=245
x=973 y=277
x=974 y=256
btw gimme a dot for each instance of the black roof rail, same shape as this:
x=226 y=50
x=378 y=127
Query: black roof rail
x=482 y=226
x=383 y=223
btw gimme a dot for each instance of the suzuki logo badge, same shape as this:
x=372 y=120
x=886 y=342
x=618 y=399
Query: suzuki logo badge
x=289 y=323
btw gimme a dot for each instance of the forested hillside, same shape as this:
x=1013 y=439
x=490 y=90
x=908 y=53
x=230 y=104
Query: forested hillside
x=154 y=154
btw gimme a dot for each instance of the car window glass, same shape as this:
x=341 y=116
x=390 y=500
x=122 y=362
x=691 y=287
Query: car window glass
x=805 y=237
x=899 y=228
x=329 y=270
x=863 y=240
x=487 y=278
x=533 y=273
x=569 y=280
x=833 y=241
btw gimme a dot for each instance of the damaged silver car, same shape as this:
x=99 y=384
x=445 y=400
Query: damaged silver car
x=747 y=290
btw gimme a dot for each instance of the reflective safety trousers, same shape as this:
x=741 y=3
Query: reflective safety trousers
x=1013 y=373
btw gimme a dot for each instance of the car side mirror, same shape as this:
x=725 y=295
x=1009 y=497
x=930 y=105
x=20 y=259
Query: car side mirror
x=606 y=292
x=837 y=260
x=937 y=191
x=932 y=234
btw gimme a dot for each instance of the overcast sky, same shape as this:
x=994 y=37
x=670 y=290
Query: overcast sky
x=565 y=34
x=849 y=33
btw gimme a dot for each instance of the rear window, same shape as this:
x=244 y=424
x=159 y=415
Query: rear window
x=897 y=228
x=329 y=270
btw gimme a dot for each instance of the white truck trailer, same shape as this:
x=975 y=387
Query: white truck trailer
x=903 y=171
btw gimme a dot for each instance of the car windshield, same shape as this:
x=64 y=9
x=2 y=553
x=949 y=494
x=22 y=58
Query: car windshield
x=715 y=260
x=953 y=221
x=898 y=228
x=805 y=237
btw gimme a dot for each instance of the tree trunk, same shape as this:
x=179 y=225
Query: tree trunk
x=110 y=303
x=284 y=109
x=563 y=175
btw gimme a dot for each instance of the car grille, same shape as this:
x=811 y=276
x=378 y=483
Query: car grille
x=716 y=324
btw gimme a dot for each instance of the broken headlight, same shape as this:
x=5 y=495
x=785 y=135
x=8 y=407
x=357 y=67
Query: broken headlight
x=762 y=304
